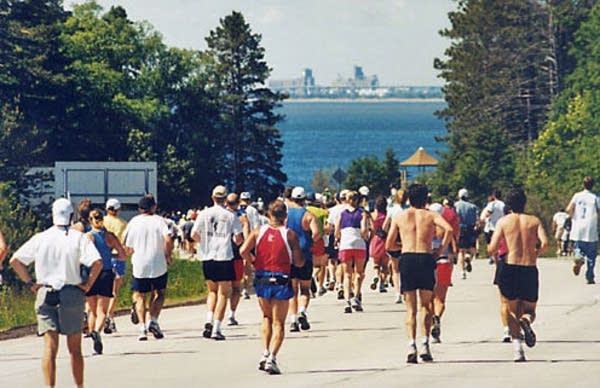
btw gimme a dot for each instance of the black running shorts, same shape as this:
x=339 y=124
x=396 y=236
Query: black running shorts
x=303 y=273
x=417 y=272
x=468 y=238
x=219 y=271
x=103 y=285
x=519 y=282
x=499 y=265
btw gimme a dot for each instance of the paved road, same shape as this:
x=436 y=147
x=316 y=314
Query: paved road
x=349 y=350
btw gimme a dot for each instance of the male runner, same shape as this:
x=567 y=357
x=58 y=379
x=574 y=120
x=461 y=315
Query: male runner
x=518 y=280
x=238 y=263
x=318 y=248
x=584 y=209
x=213 y=229
x=467 y=240
x=253 y=217
x=493 y=211
x=416 y=227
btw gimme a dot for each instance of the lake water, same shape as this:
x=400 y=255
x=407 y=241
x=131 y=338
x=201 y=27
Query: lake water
x=328 y=135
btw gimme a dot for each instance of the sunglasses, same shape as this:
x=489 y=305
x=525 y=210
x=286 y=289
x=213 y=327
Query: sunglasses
x=98 y=218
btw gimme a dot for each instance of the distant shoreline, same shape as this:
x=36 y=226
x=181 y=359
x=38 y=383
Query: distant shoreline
x=371 y=100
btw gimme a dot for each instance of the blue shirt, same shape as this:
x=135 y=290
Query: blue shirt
x=294 y=222
x=467 y=213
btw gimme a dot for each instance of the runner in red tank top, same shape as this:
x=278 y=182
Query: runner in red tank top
x=277 y=248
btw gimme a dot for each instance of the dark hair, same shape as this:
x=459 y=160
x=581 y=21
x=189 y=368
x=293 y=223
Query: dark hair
x=287 y=192
x=497 y=194
x=147 y=202
x=417 y=195
x=83 y=208
x=450 y=201
x=516 y=200
x=588 y=182
x=380 y=204
x=96 y=214
x=278 y=210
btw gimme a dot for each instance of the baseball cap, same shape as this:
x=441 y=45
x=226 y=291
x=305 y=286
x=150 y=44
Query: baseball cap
x=62 y=209
x=343 y=193
x=463 y=193
x=298 y=193
x=245 y=195
x=364 y=190
x=146 y=202
x=219 y=191
x=436 y=207
x=113 y=204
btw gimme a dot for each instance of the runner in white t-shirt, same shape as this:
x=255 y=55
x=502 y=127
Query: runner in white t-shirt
x=558 y=223
x=213 y=229
x=493 y=211
x=147 y=236
x=584 y=209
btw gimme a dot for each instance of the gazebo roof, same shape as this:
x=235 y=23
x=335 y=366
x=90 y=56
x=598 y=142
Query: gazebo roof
x=420 y=159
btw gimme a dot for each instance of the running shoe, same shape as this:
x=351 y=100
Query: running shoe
x=262 y=363
x=107 y=329
x=218 y=336
x=97 y=342
x=468 y=266
x=426 y=353
x=331 y=286
x=133 y=315
x=412 y=355
x=313 y=286
x=232 y=322
x=382 y=288
x=340 y=295
x=577 y=264
x=506 y=338
x=491 y=261
x=208 y=326
x=591 y=281
x=294 y=327
x=519 y=356
x=303 y=321
x=464 y=275
x=436 y=340
x=356 y=305
x=143 y=335
x=436 y=329
x=528 y=332
x=374 y=284
x=322 y=291
x=245 y=294
x=154 y=328
x=272 y=368
x=398 y=299
x=348 y=309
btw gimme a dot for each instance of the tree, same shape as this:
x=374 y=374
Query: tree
x=321 y=180
x=247 y=142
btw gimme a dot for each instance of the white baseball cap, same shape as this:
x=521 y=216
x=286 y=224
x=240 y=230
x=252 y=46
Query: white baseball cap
x=463 y=193
x=245 y=195
x=62 y=209
x=113 y=203
x=436 y=207
x=219 y=191
x=298 y=192
x=364 y=190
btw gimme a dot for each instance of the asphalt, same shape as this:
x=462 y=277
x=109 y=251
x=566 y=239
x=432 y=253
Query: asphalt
x=348 y=350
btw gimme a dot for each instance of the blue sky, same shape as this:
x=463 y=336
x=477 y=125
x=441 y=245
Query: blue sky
x=395 y=39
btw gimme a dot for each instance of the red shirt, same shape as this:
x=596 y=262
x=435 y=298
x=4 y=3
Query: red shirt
x=273 y=253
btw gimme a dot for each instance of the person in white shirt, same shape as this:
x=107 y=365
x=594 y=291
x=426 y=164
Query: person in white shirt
x=254 y=221
x=148 y=239
x=213 y=230
x=584 y=209
x=558 y=227
x=493 y=211
x=58 y=253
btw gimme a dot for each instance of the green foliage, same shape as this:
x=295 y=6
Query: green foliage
x=376 y=174
x=321 y=180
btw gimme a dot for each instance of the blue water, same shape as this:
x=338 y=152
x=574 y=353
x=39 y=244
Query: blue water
x=328 y=135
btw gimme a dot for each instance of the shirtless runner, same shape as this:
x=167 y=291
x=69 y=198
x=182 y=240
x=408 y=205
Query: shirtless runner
x=518 y=280
x=416 y=227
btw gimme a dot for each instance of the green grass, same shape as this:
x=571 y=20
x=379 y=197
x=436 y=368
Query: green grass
x=186 y=284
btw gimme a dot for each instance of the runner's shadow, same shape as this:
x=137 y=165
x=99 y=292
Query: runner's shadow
x=569 y=341
x=157 y=353
x=350 y=370
x=337 y=330
x=508 y=361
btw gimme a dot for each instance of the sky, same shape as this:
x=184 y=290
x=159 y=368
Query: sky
x=397 y=40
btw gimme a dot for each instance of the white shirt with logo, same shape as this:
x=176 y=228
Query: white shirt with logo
x=216 y=227
x=585 y=216
x=146 y=235
x=58 y=254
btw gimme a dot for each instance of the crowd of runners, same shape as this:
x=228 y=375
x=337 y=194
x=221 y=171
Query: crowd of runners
x=290 y=250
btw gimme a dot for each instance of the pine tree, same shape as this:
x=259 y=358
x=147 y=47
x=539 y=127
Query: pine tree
x=247 y=142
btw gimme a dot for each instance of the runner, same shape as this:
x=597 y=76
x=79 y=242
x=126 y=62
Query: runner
x=147 y=238
x=254 y=221
x=443 y=268
x=213 y=229
x=504 y=313
x=277 y=248
x=305 y=225
x=584 y=209
x=58 y=253
x=377 y=245
x=238 y=263
x=416 y=227
x=469 y=229
x=558 y=228
x=352 y=229
x=493 y=211
x=400 y=204
x=336 y=277
x=99 y=295
x=518 y=280
x=318 y=248
x=116 y=225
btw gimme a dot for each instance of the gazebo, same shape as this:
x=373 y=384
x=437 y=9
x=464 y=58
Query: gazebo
x=420 y=159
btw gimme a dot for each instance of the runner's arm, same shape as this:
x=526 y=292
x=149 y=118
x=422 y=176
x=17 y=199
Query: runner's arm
x=495 y=241
x=542 y=238
x=447 y=228
x=248 y=245
x=391 y=242
x=168 y=247
x=113 y=242
x=314 y=227
x=297 y=257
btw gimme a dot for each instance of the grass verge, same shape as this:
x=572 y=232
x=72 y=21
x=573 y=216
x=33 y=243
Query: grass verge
x=186 y=284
